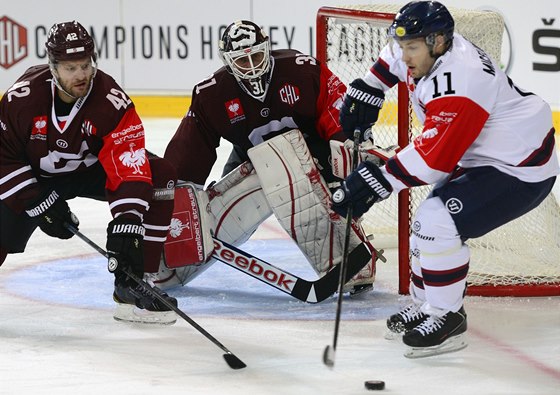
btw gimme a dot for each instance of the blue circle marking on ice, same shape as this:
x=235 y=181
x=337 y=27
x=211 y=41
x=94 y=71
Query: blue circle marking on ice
x=84 y=282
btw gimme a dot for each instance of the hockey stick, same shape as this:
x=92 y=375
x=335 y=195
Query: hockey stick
x=233 y=361
x=306 y=291
x=330 y=351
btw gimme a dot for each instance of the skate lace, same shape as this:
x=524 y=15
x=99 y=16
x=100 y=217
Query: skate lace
x=430 y=325
x=411 y=312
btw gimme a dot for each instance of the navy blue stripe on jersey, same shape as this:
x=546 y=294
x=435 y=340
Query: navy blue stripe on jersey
x=542 y=154
x=442 y=278
x=381 y=70
x=396 y=169
x=417 y=281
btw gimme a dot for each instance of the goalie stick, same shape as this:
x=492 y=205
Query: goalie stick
x=233 y=361
x=306 y=291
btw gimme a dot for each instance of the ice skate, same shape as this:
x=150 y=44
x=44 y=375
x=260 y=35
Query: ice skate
x=437 y=335
x=405 y=320
x=362 y=282
x=134 y=304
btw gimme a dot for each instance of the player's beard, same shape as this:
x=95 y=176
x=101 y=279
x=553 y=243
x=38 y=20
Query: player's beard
x=78 y=88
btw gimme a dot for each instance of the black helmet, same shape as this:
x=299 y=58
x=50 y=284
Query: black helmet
x=68 y=41
x=422 y=19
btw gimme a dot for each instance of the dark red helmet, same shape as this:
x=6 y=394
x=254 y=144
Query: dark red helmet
x=68 y=41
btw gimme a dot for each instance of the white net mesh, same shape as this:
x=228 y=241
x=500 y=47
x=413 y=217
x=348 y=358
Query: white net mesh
x=524 y=252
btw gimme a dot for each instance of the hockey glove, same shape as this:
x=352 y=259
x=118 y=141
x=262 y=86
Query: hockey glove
x=125 y=245
x=51 y=213
x=360 y=108
x=362 y=188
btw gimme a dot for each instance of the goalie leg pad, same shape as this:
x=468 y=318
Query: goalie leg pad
x=235 y=207
x=238 y=205
x=189 y=240
x=301 y=201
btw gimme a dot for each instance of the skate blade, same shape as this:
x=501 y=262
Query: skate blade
x=453 y=344
x=128 y=313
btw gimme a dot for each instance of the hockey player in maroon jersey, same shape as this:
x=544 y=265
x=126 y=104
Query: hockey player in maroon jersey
x=487 y=147
x=68 y=129
x=268 y=104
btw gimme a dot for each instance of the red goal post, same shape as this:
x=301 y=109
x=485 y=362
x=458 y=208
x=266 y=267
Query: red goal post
x=521 y=258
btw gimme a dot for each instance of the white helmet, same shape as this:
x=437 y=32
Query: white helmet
x=245 y=50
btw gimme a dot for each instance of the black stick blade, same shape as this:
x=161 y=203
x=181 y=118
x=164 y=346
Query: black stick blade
x=234 y=362
x=328 y=356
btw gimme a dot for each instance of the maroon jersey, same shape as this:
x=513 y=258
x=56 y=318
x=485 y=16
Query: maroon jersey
x=102 y=127
x=302 y=94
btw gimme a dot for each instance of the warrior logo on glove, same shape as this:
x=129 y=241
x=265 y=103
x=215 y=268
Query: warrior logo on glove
x=338 y=196
x=364 y=187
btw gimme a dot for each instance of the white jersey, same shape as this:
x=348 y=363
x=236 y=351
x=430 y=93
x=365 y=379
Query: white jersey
x=473 y=115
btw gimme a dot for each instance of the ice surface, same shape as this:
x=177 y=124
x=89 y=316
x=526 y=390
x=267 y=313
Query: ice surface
x=57 y=334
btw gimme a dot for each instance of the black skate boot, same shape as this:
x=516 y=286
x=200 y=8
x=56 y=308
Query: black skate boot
x=135 y=304
x=437 y=335
x=406 y=319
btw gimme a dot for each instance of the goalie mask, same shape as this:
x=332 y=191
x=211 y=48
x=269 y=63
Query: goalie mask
x=245 y=50
x=422 y=19
x=69 y=41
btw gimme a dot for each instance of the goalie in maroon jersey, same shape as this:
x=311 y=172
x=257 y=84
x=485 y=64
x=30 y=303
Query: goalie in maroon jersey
x=279 y=109
x=69 y=130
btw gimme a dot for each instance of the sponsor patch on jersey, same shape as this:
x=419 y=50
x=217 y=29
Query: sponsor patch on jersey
x=39 y=129
x=235 y=110
x=289 y=94
x=134 y=159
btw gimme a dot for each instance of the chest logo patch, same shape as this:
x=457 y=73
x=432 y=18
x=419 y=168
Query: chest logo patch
x=235 y=110
x=289 y=94
x=39 y=129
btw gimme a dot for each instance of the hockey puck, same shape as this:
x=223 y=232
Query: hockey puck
x=375 y=385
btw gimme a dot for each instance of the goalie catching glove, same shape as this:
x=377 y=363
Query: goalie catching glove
x=360 y=108
x=363 y=188
x=52 y=213
x=125 y=245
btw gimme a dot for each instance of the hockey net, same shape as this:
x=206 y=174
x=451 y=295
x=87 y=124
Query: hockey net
x=521 y=258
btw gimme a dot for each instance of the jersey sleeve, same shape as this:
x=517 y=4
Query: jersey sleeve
x=331 y=93
x=125 y=161
x=452 y=125
x=387 y=70
x=18 y=183
x=192 y=149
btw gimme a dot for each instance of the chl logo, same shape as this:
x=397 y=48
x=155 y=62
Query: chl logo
x=13 y=42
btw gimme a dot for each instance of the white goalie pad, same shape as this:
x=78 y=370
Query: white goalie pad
x=238 y=205
x=341 y=155
x=301 y=201
x=235 y=206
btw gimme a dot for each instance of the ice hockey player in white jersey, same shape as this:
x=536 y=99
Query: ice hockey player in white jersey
x=487 y=146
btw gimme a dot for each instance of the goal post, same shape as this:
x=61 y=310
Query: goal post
x=521 y=258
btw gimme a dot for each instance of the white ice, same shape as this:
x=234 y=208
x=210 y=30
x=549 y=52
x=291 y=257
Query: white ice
x=57 y=334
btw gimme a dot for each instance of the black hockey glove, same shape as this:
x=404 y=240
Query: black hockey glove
x=360 y=108
x=51 y=213
x=125 y=245
x=363 y=187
